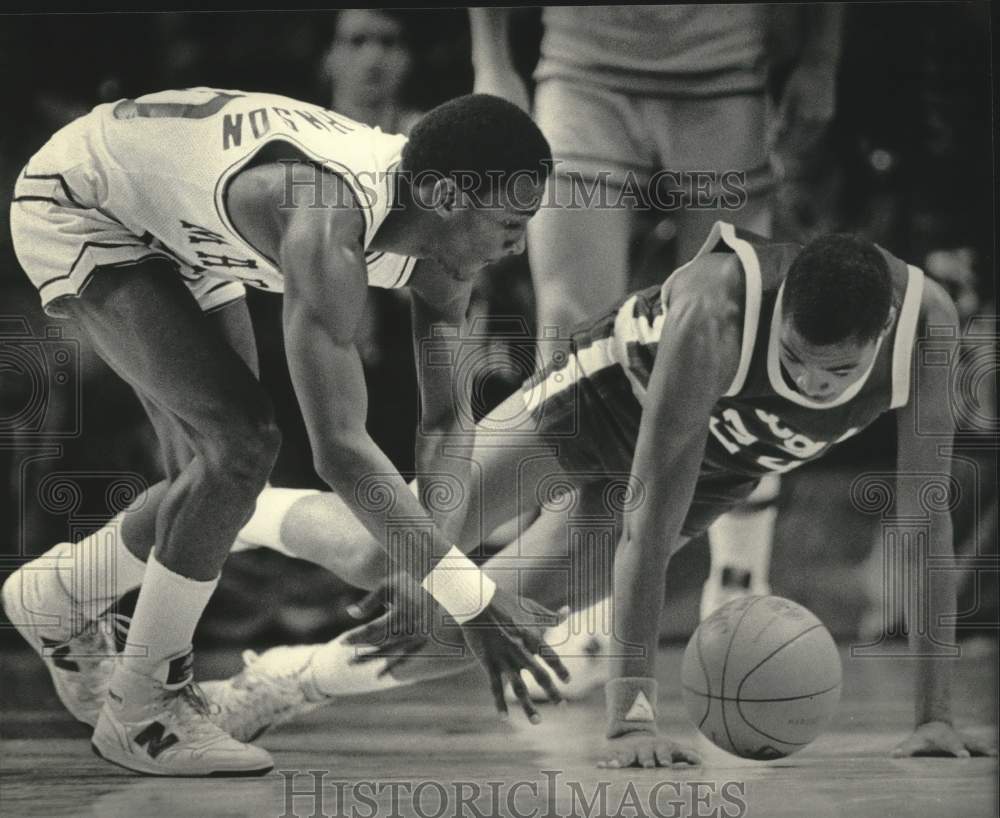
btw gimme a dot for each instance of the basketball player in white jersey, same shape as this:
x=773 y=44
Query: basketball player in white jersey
x=753 y=359
x=142 y=221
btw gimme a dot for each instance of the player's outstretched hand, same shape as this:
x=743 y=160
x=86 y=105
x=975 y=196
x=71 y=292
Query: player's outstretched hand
x=938 y=738
x=506 y=637
x=402 y=631
x=645 y=749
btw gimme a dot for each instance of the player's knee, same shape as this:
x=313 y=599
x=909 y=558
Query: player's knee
x=244 y=453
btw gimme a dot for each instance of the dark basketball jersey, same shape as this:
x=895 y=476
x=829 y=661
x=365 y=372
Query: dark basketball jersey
x=762 y=424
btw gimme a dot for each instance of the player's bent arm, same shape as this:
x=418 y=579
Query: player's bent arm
x=322 y=258
x=919 y=463
x=439 y=306
x=695 y=364
x=492 y=58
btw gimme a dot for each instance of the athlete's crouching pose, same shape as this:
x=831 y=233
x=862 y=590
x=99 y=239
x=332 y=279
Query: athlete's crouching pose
x=142 y=221
x=754 y=358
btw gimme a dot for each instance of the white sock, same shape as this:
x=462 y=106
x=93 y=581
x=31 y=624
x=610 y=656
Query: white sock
x=97 y=570
x=742 y=538
x=264 y=528
x=166 y=614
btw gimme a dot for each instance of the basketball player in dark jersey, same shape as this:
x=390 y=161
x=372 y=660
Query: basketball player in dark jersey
x=753 y=358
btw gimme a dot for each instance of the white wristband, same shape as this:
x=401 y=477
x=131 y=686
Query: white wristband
x=459 y=586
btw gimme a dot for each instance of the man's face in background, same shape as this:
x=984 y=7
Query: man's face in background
x=368 y=57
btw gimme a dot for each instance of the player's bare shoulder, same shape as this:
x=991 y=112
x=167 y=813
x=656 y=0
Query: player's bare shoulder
x=713 y=284
x=713 y=279
x=936 y=306
x=286 y=193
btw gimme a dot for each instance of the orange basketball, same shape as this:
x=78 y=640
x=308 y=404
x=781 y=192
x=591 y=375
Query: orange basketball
x=761 y=677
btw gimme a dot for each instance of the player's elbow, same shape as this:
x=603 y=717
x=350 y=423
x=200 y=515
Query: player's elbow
x=338 y=461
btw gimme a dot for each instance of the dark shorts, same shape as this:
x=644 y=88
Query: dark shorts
x=583 y=404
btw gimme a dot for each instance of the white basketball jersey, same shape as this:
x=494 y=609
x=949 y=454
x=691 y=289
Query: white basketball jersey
x=160 y=164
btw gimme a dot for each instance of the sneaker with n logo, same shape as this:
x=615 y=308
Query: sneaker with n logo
x=157 y=721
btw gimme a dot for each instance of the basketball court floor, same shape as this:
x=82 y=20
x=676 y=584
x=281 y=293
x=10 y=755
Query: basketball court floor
x=437 y=751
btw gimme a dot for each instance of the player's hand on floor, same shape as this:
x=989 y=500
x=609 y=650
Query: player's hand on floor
x=644 y=749
x=938 y=738
x=506 y=637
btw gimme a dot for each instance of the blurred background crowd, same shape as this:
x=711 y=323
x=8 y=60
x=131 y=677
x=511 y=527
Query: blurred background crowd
x=906 y=160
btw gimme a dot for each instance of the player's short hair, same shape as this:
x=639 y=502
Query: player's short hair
x=838 y=288
x=480 y=140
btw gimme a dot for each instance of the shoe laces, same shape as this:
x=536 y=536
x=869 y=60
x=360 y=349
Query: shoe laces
x=191 y=713
x=267 y=692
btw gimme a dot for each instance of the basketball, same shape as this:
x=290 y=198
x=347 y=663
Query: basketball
x=761 y=677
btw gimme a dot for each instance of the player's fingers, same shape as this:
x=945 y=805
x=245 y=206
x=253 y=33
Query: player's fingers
x=908 y=747
x=979 y=748
x=956 y=746
x=370 y=604
x=372 y=633
x=394 y=663
x=548 y=653
x=545 y=682
x=646 y=756
x=623 y=758
x=521 y=691
x=680 y=755
x=399 y=646
x=496 y=688
x=359 y=658
x=526 y=661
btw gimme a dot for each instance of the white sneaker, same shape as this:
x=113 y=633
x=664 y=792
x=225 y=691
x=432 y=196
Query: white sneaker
x=80 y=661
x=726 y=584
x=160 y=725
x=585 y=656
x=273 y=688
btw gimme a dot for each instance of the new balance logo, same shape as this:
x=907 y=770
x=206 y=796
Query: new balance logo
x=59 y=651
x=154 y=738
x=641 y=709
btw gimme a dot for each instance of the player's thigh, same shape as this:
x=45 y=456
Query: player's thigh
x=724 y=141
x=578 y=244
x=579 y=259
x=232 y=320
x=512 y=469
x=146 y=324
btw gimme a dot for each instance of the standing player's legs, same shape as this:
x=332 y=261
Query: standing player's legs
x=148 y=327
x=740 y=546
x=719 y=139
x=578 y=243
x=719 y=144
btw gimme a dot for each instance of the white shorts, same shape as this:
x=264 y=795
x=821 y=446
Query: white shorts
x=60 y=242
